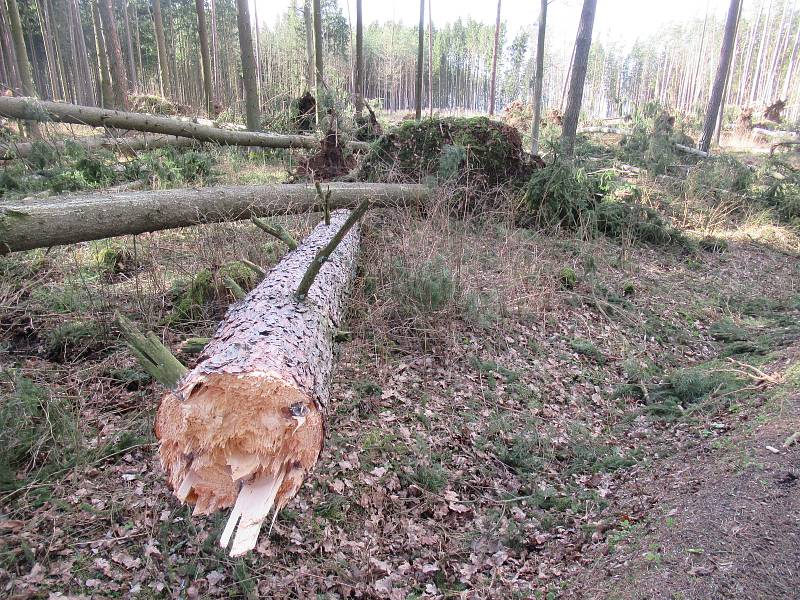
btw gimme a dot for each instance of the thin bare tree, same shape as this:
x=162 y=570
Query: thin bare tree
x=248 y=65
x=580 y=64
x=538 y=78
x=420 y=51
x=493 y=81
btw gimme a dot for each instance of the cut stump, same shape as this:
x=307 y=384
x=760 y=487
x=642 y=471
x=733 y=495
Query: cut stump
x=244 y=427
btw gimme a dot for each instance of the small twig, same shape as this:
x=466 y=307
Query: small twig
x=277 y=231
x=325 y=252
x=254 y=267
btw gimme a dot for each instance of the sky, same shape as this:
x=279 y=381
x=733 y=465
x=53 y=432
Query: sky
x=618 y=20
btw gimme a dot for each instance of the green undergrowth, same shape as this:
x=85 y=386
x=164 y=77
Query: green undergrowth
x=563 y=196
x=75 y=168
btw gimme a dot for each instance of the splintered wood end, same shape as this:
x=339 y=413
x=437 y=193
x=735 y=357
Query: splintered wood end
x=243 y=440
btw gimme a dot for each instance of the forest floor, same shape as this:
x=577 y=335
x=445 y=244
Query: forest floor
x=516 y=415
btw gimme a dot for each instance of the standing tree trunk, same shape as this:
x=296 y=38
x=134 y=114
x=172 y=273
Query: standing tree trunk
x=161 y=47
x=103 y=76
x=320 y=72
x=23 y=66
x=493 y=82
x=430 y=61
x=729 y=76
x=248 y=65
x=359 y=82
x=420 y=49
x=790 y=68
x=539 y=77
x=129 y=47
x=726 y=54
x=309 y=27
x=119 y=82
x=205 y=55
x=258 y=52
x=583 y=43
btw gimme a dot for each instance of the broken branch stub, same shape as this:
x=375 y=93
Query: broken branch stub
x=244 y=426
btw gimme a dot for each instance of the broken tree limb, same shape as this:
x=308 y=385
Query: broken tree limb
x=690 y=150
x=152 y=355
x=127 y=145
x=244 y=427
x=191 y=346
x=325 y=252
x=234 y=288
x=58 y=220
x=261 y=273
x=275 y=230
x=31 y=109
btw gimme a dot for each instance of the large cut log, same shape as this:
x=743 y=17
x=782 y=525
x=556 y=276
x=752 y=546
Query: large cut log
x=245 y=425
x=31 y=109
x=41 y=223
x=124 y=145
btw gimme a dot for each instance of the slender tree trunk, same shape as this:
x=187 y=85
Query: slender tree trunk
x=248 y=66
x=420 y=51
x=23 y=66
x=258 y=52
x=309 y=27
x=430 y=61
x=103 y=76
x=583 y=43
x=756 y=91
x=726 y=54
x=318 y=56
x=43 y=15
x=161 y=47
x=208 y=84
x=359 y=76
x=537 y=85
x=132 y=77
x=215 y=49
x=83 y=51
x=119 y=82
x=790 y=68
x=7 y=48
x=728 y=79
x=493 y=83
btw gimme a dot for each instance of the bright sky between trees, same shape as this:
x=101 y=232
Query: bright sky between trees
x=618 y=20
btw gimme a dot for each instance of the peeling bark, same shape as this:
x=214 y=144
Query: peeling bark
x=245 y=426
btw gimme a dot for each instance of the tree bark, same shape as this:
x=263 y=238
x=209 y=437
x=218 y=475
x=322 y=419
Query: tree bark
x=309 y=27
x=205 y=55
x=264 y=377
x=359 y=76
x=20 y=50
x=430 y=61
x=583 y=43
x=493 y=82
x=319 y=76
x=248 y=66
x=726 y=53
x=103 y=75
x=537 y=84
x=161 y=47
x=70 y=219
x=119 y=83
x=725 y=90
x=420 y=50
x=132 y=78
x=32 y=109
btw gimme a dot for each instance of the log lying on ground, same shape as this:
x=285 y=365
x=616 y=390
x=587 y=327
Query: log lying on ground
x=68 y=219
x=122 y=144
x=244 y=427
x=31 y=109
x=771 y=133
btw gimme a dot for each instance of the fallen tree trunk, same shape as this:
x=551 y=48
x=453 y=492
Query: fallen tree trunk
x=121 y=144
x=244 y=427
x=59 y=220
x=770 y=133
x=31 y=109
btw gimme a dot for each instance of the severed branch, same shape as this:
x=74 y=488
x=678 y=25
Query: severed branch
x=327 y=250
x=234 y=288
x=191 y=346
x=254 y=267
x=275 y=230
x=152 y=355
x=325 y=202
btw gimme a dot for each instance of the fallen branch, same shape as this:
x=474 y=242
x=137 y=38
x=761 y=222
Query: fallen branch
x=69 y=219
x=277 y=231
x=31 y=109
x=152 y=355
x=244 y=427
